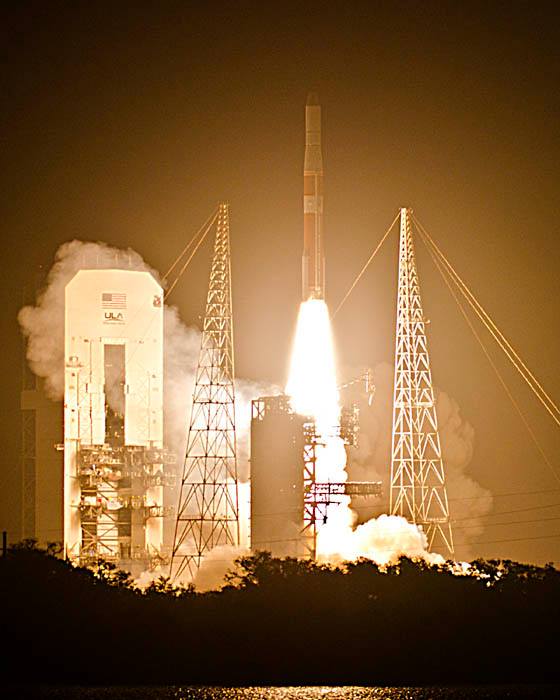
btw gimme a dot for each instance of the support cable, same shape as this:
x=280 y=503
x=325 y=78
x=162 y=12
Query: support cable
x=507 y=512
x=204 y=229
x=202 y=232
x=499 y=337
x=189 y=244
x=365 y=267
x=517 y=407
x=508 y=522
x=519 y=539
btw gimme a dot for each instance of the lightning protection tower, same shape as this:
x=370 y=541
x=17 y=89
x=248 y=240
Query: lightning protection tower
x=418 y=490
x=208 y=512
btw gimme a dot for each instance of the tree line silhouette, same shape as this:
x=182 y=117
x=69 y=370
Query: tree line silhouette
x=280 y=621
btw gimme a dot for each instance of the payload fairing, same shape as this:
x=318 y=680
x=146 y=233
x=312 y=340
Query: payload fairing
x=313 y=260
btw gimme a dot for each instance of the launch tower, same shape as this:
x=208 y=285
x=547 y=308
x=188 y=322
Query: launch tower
x=418 y=490
x=208 y=513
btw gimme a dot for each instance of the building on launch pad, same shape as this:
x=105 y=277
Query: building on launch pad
x=105 y=493
x=114 y=459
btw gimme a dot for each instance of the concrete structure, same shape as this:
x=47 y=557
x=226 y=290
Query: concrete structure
x=277 y=472
x=42 y=464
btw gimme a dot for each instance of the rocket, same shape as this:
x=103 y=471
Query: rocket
x=313 y=259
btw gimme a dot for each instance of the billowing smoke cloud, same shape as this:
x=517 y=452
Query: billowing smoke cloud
x=181 y=347
x=43 y=326
x=468 y=499
x=211 y=574
x=216 y=564
x=383 y=539
x=371 y=460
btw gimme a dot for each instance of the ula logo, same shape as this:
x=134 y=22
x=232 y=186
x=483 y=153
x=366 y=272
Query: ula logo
x=112 y=317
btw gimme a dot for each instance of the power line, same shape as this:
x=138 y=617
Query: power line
x=381 y=506
x=473 y=517
x=510 y=522
x=504 y=495
x=507 y=512
x=517 y=539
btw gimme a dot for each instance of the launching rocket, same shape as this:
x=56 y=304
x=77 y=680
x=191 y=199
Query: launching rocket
x=313 y=260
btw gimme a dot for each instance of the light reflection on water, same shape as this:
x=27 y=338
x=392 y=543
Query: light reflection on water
x=361 y=693
x=283 y=693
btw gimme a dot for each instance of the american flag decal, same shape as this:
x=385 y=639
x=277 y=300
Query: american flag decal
x=112 y=300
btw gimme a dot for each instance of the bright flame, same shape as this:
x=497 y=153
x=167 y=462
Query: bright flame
x=312 y=381
x=313 y=391
x=312 y=386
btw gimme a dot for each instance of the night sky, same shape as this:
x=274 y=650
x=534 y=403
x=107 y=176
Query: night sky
x=127 y=124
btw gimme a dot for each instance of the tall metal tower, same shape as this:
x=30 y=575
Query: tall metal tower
x=208 y=512
x=418 y=490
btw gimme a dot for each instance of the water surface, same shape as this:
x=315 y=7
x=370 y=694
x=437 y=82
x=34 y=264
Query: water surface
x=281 y=693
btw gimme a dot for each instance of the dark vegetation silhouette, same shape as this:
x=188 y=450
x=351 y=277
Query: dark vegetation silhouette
x=279 y=621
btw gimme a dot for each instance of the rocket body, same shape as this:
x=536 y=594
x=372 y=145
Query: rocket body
x=313 y=260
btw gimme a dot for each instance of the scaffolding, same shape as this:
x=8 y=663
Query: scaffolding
x=114 y=482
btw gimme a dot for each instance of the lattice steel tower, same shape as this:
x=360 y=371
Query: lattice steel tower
x=208 y=512
x=418 y=490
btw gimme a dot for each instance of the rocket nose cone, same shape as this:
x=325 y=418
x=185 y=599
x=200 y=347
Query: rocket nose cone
x=312 y=99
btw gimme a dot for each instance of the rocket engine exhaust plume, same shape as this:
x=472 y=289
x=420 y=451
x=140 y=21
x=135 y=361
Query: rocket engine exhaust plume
x=312 y=381
x=312 y=386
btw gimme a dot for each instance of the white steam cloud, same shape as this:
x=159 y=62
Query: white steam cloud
x=43 y=326
x=383 y=539
x=372 y=533
x=215 y=565
x=371 y=460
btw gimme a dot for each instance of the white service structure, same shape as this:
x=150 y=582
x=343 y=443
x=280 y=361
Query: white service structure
x=113 y=417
